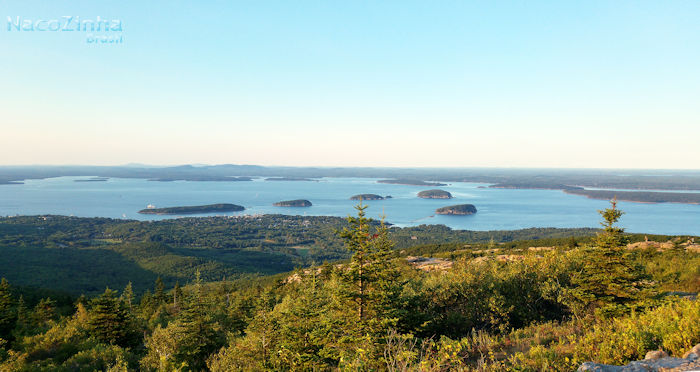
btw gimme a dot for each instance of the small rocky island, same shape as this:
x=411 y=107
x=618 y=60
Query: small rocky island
x=460 y=210
x=435 y=194
x=194 y=209
x=293 y=203
x=368 y=197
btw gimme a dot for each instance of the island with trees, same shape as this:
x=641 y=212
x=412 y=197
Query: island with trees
x=368 y=197
x=194 y=209
x=434 y=194
x=411 y=182
x=459 y=209
x=293 y=203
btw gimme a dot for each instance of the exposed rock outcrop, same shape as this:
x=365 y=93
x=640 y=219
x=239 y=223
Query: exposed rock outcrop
x=656 y=360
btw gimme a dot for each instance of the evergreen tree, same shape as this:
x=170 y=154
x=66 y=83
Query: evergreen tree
x=197 y=333
x=610 y=281
x=177 y=295
x=8 y=312
x=110 y=321
x=44 y=312
x=128 y=295
x=159 y=293
x=371 y=286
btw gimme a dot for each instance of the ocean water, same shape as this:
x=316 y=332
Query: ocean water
x=498 y=209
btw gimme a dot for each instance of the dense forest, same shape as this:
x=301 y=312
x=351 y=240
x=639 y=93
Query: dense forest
x=500 y=306
x=85 y=255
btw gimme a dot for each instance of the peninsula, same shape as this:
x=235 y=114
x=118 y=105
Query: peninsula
x=194 y=209
x=293 y=203
x=460 y=209
x=639 y=196
x=435 y=194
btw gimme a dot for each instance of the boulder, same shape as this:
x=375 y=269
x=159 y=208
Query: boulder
x=655 y=354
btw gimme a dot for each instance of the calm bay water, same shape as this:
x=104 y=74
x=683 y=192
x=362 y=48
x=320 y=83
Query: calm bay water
x=498 y=209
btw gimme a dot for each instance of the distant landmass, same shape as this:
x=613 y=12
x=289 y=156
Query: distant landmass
x=535 y=186
x=411 y=182
x=293 y=203
x=639 y=196
x=460 y=209
x=288 y=179
x=368 y=197
x=94 y=179
x=202 y=178
x=194 y=209
x=555 y=179
x=435 y=194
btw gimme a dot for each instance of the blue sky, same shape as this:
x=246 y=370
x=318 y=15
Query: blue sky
x=365 y=83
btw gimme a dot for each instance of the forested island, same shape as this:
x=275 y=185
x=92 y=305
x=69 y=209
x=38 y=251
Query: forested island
x=411 y=182
x=194 y=209
x=434 y=194
x=368 y=197
x=293 y=203
x=460 y=209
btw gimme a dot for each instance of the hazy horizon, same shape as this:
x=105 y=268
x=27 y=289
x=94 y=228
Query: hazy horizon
x=408 y=167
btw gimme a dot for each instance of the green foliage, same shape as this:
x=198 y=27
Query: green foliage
x=8 y=313
x=85 y=255
x=501 y=306
x=110 y=320
x=610 y=280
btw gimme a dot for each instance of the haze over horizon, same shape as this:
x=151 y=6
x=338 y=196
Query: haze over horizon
x=594 y=84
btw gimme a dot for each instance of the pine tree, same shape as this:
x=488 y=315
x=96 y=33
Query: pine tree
x=128 y=295
x=610 y=281
x=8 y=312
x=198 y=334
x=159 y=293
x=371 y=275
x=44 y=311
x=177 y=295
x=371 y=288
x=110 y=321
